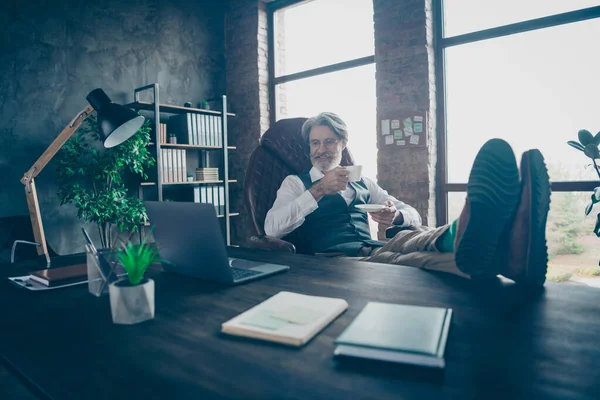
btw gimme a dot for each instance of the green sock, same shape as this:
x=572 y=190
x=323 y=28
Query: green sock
x=445 y=243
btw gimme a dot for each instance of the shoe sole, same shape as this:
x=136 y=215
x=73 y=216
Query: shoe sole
x=537 y=256
x=493 y=192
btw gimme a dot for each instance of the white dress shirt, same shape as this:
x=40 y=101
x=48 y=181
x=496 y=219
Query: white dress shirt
x=294 y=203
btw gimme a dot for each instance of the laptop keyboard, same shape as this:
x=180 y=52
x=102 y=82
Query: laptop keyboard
x=240 y=273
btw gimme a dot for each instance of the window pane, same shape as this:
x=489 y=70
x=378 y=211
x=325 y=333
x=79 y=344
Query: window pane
x=322 y=32
x=464 y=16
x=535 y=90
x=573 y=249
x=350 y=94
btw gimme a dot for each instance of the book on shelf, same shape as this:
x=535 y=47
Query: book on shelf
x=197 y=129
x=288 y=318
x=174 y=167
x=211 y=194
x=163 y=133
x=397 y=333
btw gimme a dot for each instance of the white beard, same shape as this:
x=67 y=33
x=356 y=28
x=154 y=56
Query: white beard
x=328 y=164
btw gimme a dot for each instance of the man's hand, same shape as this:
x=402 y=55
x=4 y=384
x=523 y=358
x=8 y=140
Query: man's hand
x=334 y=181
x=389 y=215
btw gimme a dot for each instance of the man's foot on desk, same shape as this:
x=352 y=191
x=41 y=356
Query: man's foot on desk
x=522 y=253
x=492 y=195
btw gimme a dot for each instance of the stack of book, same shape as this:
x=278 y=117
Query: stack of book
x=173 y=165
x=211 y=194
x=207 y=174
x=197 y=129
x=163 y=133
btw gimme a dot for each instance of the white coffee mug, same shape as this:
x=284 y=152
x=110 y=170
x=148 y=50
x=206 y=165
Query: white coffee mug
x=354 y=172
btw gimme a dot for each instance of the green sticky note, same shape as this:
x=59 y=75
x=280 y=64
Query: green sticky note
x=297 y=315
x=264 y=319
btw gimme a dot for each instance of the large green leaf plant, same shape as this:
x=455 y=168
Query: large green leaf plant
x=99 y=182
x=588 y=144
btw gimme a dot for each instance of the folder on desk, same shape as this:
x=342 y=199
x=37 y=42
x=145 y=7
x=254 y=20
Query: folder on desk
x=397 y=333
x=288 y=318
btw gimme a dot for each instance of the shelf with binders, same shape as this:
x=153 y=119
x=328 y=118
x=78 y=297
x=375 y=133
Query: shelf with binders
x=196 y=167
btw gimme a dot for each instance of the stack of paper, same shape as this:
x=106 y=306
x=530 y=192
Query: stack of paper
x=207 y=174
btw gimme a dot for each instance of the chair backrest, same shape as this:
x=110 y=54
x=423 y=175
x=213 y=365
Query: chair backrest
x=281 y=152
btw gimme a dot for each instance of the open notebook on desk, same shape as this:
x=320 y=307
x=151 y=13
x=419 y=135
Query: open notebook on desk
x=288 y=318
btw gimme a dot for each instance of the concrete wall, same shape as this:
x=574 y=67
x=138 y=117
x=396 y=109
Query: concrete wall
x=52 y=53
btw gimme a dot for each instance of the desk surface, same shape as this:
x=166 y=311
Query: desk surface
x=504 y=342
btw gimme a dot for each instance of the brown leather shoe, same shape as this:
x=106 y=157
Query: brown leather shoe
x=522 y=252
x=492 y=195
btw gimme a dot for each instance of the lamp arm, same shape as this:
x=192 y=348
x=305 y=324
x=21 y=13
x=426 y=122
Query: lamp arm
x=29 y=179
x=55 y=146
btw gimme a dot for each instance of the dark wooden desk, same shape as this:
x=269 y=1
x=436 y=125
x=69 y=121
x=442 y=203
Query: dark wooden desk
x=504 y=342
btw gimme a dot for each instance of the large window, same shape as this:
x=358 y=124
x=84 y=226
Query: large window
x=534 y=83
x=323 y=60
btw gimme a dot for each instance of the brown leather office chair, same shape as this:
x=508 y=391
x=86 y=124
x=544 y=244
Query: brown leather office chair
x=281 y=152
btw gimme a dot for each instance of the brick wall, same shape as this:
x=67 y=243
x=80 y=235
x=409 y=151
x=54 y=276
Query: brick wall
x=406 y=84
x=247 y=76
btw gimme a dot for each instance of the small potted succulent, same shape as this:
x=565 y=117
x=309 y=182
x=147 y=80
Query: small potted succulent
x=132 y=298
x=172 y=138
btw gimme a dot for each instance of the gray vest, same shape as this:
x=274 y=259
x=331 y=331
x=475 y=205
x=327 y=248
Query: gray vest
x=335 y=226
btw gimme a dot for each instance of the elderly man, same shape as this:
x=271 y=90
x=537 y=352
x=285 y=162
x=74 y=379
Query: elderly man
x=501 y=229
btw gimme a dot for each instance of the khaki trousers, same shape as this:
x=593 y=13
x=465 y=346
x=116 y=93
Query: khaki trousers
x=417 y=248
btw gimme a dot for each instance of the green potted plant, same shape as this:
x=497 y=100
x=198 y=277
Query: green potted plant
x=588 y=144
x=102 y=183
x=172 y=138
x=132 y=298
x=204 y=105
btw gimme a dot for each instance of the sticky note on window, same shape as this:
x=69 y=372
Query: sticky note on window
x=298 y=315
x=395 y=124
x=264 y=319
x=389 y=139
x=418 y=127
x=398 y=134
x=418 y=118
x=414 y=139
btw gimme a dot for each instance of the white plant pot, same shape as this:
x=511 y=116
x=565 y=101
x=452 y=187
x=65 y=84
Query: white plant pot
x=131 y=304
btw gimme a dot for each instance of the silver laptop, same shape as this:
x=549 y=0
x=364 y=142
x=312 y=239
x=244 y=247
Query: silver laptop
x=190 y=240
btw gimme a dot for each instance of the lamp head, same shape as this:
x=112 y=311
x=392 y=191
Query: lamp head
x=116 y=123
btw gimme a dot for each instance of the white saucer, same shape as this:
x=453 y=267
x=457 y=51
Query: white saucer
x=370 y=207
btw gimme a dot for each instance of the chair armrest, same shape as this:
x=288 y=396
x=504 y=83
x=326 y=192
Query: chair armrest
x=271 y=244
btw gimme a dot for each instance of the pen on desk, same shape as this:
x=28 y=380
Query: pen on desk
x=89 y=240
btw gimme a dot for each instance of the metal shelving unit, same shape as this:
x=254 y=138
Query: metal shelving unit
x=159 y=108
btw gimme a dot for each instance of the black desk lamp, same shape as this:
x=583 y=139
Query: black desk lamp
x=116 y=124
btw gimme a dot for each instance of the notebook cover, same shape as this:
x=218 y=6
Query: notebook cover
x=298 y=333
x=59 y=276
x=396 y=327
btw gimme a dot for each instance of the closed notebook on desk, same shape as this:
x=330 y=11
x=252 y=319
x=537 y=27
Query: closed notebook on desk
x=397 y=333
x=60 y=276
x=287 y=317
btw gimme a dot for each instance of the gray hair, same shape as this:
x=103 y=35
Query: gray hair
x=328 y=119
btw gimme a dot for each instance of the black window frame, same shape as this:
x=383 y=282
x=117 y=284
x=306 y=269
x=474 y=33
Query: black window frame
x=272 y=8
x=440 y=44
